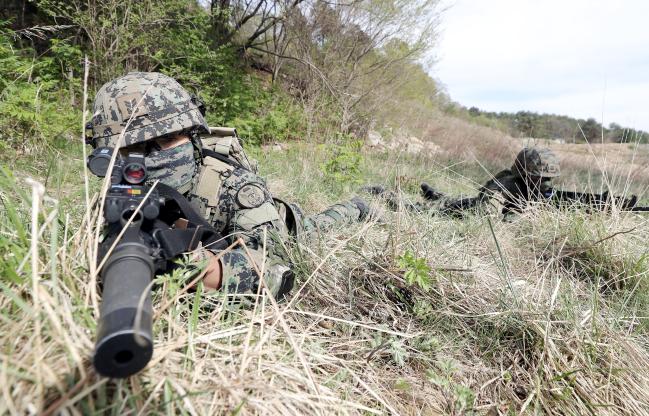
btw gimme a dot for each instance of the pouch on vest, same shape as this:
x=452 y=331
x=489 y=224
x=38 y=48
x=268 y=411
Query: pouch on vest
x=291 y=215
x=208 y=185
x=226 y=142
x=248 y=219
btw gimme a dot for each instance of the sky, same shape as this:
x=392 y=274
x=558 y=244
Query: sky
x=582 y=58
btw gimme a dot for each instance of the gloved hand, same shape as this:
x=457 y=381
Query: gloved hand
x=430 y=193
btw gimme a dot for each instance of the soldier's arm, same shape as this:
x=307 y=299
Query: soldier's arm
x=458 y=207
x=213 y=271
x=238 y=203
x=238 y=270
x=241 y=270
x=499 y=183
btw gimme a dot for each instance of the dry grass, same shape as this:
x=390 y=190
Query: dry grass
x=545 y=314
x=464 y=141
x=619 y=167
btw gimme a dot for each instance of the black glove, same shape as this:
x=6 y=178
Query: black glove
x=362 y=206
x=430 y=193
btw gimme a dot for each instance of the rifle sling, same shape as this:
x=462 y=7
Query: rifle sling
x=222 y=158
x=175 y=241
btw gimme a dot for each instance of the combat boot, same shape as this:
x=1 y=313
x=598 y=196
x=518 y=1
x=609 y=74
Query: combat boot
x=362 y=206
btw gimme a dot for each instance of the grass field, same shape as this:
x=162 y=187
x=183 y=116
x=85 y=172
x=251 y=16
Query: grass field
x=404 y=314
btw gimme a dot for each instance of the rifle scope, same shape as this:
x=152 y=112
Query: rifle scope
x=129 y=169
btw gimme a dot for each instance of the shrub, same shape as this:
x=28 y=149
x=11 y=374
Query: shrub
x=32 y=97
x=344 y=165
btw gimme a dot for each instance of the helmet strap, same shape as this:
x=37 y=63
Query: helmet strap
x=198 y=145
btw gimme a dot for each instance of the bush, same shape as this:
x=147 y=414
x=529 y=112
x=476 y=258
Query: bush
x=344 y=165
x=272 y=117
x=32 y=96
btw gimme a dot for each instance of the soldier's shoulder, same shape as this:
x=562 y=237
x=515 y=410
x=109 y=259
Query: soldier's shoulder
x=226 y=142
x=505 y=173
x=502 y=177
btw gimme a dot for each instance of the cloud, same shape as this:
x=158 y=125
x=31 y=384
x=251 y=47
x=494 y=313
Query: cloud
x=578 y=57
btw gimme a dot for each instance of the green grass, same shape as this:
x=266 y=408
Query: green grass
x=407 y=313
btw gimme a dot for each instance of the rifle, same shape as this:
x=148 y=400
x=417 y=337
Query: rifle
x=600 y=201
x=142 y=247
x=603 y=201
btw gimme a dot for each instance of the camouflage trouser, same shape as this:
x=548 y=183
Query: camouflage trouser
x=335 y=216
x=440 y=204
x=398 y=201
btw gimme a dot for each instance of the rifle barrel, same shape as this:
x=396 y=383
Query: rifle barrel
x=125 y=346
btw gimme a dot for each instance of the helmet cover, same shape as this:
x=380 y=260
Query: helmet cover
x=537 y=162
x=143 y=106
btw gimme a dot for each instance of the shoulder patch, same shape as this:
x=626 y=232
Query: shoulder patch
x=251 y=196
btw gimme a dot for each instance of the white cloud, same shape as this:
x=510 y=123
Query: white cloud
x=573 y=57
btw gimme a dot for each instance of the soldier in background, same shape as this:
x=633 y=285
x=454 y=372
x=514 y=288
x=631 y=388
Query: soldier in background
x=151 y=113
x=529 y=180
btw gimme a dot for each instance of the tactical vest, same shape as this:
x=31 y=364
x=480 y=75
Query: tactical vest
x=239 y=203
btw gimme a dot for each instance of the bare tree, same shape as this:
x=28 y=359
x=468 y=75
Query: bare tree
x=248 y=21
x=347 y=51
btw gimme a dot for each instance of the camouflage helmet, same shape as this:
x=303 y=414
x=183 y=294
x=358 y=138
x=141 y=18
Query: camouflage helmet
x=143 y=106
x=534 y=161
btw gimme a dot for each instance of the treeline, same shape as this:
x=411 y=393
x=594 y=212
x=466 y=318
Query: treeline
x=551 y=126
x=276 y=69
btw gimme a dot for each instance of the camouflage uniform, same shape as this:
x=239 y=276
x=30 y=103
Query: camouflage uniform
x=236 y=200
x=213 y=172
x=528 y=180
